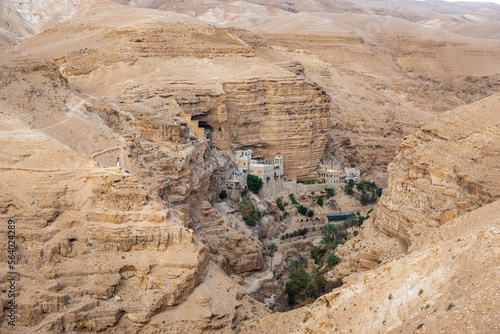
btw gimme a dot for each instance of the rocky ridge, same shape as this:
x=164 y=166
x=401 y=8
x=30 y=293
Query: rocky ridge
x=89 y=238
x=450 y=165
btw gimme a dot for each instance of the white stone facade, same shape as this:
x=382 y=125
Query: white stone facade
x=331 y=174
x=271 y=174
x=352 y=174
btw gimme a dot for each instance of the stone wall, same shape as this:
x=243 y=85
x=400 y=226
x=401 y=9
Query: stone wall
x=272 y=188
x=292 y=187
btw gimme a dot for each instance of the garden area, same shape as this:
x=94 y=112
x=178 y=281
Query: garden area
x=365 y=191
x=303 y=287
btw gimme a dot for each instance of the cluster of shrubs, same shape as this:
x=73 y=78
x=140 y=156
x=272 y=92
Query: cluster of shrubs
x=358 y=220
x=309 y=181
x=254 y=183
x=250 y=214
x=332 y=237
x=294 y=202
x=303 y=288
x=304 y=211
x=370 y=193
x=330 y=192
x=367 y=198
x=296 y=233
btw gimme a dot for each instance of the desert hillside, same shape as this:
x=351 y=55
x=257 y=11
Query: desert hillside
x=369 y=201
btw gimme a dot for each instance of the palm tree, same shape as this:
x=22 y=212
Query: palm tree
x=330 y=232
x=271 y=249
x=295 y=266
x=332 y=259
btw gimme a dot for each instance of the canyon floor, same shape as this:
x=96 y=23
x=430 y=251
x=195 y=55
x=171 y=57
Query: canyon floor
x=406 y=91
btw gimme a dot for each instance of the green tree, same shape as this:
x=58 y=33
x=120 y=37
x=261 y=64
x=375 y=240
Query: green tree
x=364 y=198
x=332 y=259
x=330 y=232
x=335 y=243
x=248 y=211
x=317 y=253
x=351 y=183
x=330 y=192
x=302 y=209
x=349 y=222
x=297 y=284
x=348 y=189
x=320 y=201
x=295 y=266
x=271 y=249
x=361 y=220
x=223 y=194
x=254 y=183
x=310 y=213
x=360 y=186
x=379 y=192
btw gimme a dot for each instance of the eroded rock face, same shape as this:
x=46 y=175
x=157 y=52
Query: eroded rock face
x=93 y=248
x=233 y=250
x=216 y=305
x=209 y=72
x=286 y=116
x=448 y=168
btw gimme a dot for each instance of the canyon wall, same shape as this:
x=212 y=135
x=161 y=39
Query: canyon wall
x=450 y=165
x=444 y=170
x=290 y=116
x=209 y=72
x=432 y=241
x=93 y=249
x=98 y=249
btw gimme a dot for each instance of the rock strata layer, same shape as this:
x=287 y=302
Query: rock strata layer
x=93 y=249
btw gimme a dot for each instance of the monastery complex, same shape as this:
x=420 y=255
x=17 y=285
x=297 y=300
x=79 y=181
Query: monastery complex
x=273 y=176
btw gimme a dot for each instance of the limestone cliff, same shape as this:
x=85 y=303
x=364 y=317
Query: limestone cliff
x=210 y=73
x=93 y=249
x=232 y=249
x=446 y=169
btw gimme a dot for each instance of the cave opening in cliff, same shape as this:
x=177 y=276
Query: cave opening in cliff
x=202 y=121
x=205 y=125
